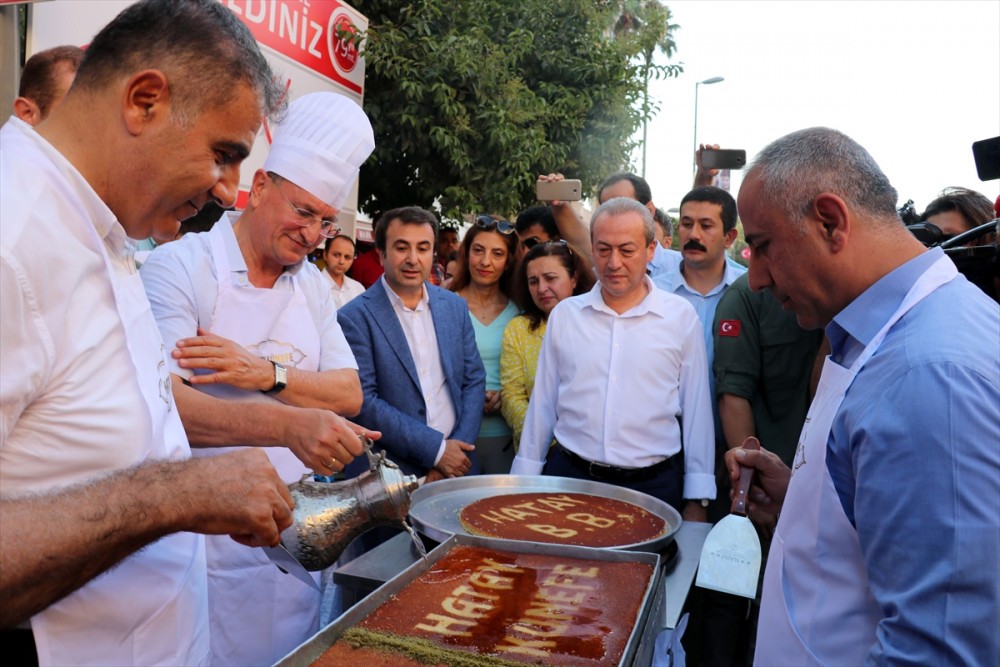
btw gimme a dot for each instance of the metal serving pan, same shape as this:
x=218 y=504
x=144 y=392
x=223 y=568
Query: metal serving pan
x=434 y=508
x=649 y=618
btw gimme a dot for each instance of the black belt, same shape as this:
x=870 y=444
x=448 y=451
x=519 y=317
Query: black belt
x=610 y=473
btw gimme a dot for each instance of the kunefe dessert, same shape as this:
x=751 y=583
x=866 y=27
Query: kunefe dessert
x=562 y=518
x=478 y=607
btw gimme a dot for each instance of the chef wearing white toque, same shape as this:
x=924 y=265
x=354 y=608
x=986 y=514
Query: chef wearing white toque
x=247 y=319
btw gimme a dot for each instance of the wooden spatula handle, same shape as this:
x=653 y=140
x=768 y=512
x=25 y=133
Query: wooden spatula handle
x=746 y=474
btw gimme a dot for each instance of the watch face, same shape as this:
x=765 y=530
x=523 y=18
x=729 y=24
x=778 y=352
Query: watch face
x=280 y=379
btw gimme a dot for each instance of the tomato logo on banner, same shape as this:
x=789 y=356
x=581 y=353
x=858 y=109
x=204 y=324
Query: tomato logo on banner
x=306 y=31
x=345 y=53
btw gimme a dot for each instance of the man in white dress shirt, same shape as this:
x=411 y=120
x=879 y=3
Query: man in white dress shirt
x=339 y=256
x=622 y=378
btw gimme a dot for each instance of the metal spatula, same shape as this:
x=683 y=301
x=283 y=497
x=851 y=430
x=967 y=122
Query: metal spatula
x=730 y=559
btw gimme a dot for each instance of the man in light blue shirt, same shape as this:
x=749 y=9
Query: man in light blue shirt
x=707 y=229
x=889 y=532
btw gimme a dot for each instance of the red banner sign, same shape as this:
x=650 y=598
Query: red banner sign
x=306 y=31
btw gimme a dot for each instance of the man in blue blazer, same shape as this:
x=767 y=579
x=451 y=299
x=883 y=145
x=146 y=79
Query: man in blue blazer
x=421 y=375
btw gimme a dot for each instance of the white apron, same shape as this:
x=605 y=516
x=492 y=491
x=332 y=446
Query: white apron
x=258 y=614
x=816 y=606
x=151 y=609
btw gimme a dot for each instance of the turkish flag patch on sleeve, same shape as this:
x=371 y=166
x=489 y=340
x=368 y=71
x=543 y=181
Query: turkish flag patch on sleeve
x=729 y=328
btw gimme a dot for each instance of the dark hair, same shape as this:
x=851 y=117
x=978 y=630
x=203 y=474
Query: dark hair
x=537 y=215
x=796 y=168
x=461 y=278
x=38 y=77
x=664 y=221
x=329 y=242
x=445 y=226
x=714 y=195
x=569 y=257
x=642 y=192
x=974 y=207
x=408 y=215
x=200 y=45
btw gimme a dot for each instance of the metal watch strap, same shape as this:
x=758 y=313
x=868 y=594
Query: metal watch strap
x=280 y=378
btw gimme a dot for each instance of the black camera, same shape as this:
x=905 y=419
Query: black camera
x=928 y=234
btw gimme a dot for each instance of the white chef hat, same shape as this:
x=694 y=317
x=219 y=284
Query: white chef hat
x=321 y=144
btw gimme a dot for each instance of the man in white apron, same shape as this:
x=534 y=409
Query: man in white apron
x=888 y=540
x=253 y=330
x=94 y=464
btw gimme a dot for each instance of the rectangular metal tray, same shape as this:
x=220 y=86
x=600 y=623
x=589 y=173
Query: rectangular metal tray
x=649 y=616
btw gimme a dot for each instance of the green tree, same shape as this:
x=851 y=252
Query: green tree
x=471 y=99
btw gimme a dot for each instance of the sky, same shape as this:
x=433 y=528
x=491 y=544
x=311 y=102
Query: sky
x=915 y=82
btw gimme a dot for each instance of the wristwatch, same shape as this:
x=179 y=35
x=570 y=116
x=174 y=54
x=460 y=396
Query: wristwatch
x=280 y=379
x=702 y=501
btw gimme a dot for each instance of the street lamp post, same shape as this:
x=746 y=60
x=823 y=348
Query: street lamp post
x=694 y=148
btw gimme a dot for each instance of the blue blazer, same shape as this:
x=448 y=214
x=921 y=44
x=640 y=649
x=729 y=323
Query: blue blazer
x=393 y=401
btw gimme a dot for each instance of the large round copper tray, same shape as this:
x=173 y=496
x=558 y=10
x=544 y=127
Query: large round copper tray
x=434 y=508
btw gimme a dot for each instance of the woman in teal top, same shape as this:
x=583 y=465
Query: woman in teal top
x=484 y=279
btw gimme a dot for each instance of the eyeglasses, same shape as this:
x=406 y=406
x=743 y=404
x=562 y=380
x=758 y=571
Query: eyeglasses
x=502 y=226
x=306 y=218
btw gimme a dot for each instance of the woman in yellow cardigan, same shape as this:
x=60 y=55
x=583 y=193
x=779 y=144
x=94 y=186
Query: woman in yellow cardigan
x=548 y=273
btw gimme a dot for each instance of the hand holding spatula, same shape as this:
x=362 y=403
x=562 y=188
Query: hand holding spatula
x=730 y=559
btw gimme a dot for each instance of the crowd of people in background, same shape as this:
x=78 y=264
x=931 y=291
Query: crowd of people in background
x=623 y=347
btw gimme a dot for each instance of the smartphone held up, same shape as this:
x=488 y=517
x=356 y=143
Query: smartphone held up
x=723 y=158
x=565 y=190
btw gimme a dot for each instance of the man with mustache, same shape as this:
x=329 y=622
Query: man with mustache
x=707 y=228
